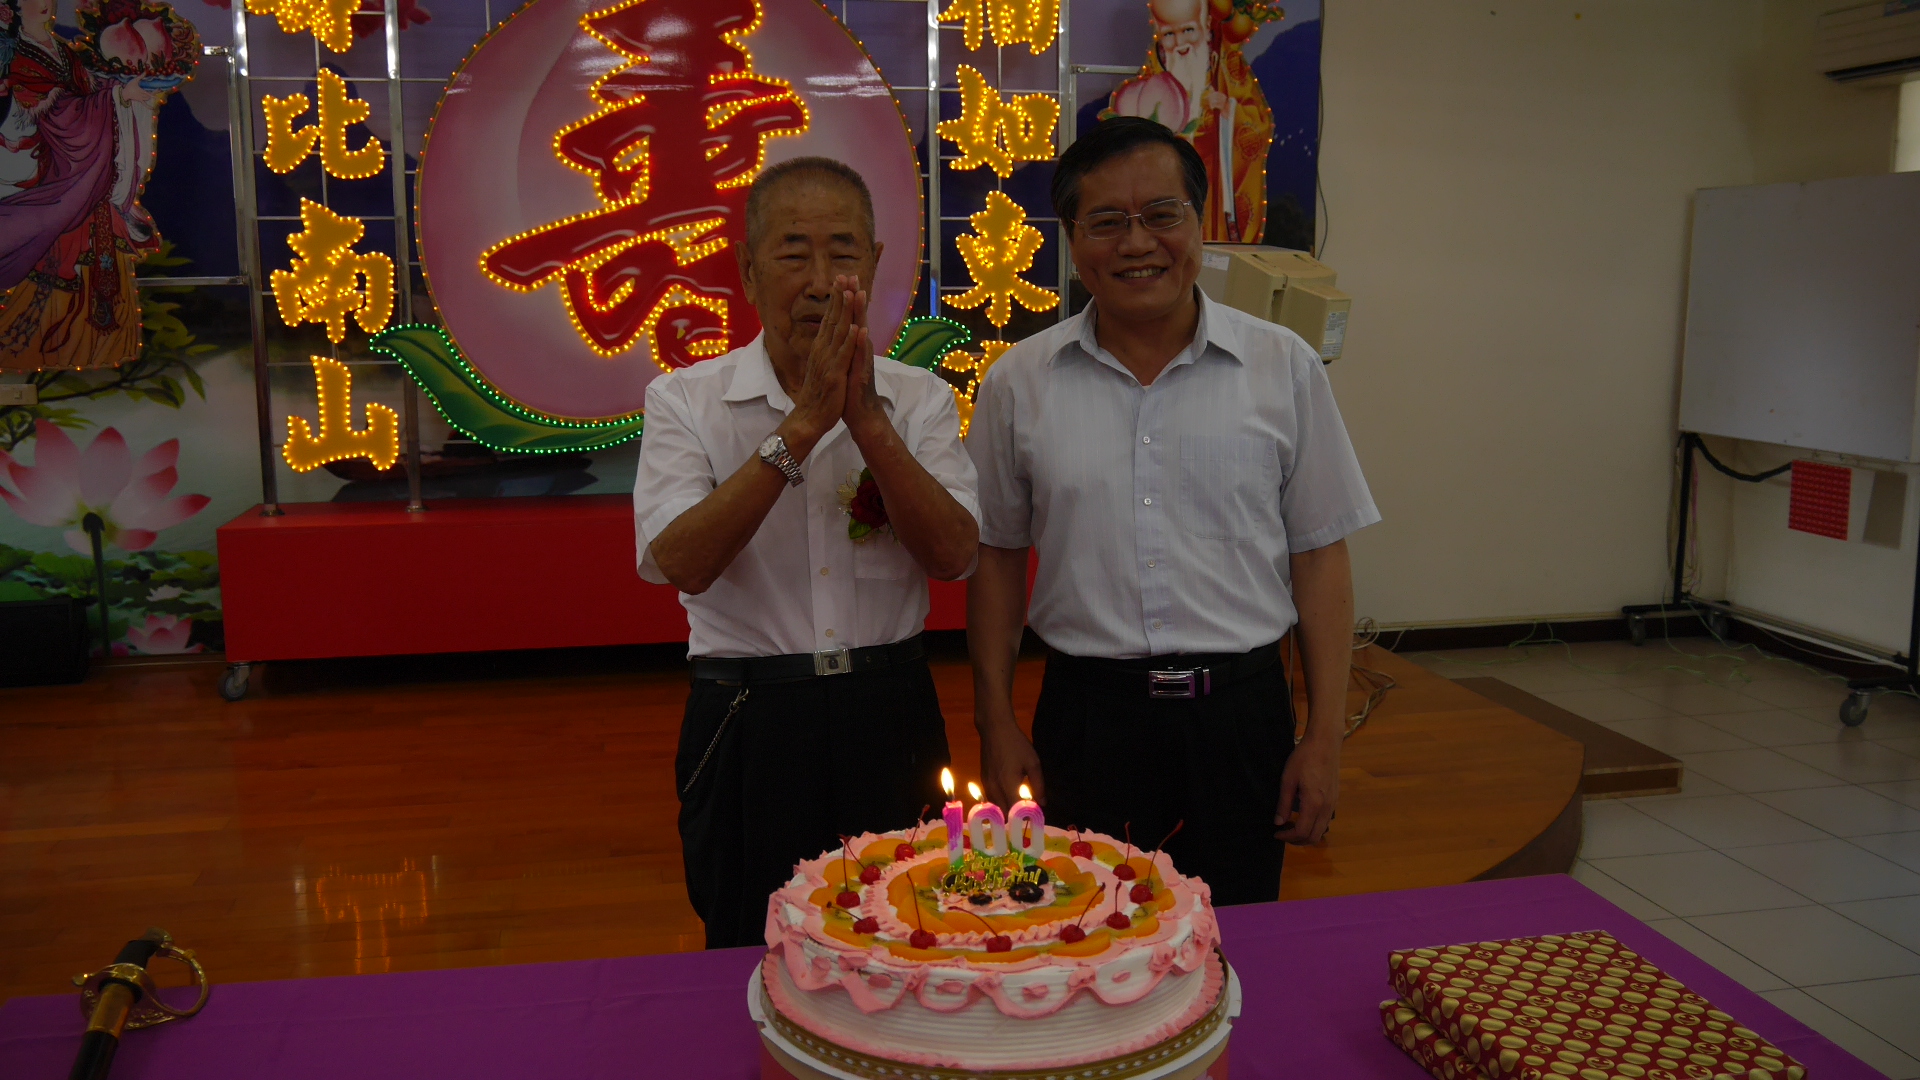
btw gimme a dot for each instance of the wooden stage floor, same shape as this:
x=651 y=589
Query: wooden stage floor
x=395 y=825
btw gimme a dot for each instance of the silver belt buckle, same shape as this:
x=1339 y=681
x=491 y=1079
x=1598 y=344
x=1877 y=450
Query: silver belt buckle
x=1178 y=684
x=832 y=662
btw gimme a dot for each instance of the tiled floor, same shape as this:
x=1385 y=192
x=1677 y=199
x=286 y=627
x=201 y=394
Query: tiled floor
x=1791 y=858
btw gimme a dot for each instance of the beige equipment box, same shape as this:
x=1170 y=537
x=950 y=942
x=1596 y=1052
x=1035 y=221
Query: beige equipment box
x=1280 y=285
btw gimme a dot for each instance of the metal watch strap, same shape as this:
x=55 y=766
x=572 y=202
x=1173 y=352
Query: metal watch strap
x=775 y=453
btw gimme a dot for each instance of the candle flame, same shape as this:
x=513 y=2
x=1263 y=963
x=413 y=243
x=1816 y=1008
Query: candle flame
x=1026 y=792
x=946 y=782
x=973 y=789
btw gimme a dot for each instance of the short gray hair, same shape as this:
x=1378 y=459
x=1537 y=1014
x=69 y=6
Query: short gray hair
x=803 y=168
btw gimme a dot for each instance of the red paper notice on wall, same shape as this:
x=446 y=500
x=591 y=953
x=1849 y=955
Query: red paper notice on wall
x=1822 y=499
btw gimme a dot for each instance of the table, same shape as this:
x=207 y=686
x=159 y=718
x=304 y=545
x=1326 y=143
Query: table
x=1313 y=972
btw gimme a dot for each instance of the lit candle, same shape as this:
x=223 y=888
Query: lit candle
x=1027 y=826
x=986 y=825
x=955 y=815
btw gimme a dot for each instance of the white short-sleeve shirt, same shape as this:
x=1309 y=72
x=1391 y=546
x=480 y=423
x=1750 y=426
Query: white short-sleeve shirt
x=801 y=585
x=1164 y=515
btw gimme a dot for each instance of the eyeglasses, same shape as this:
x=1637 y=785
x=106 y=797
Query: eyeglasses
x=1156 y=216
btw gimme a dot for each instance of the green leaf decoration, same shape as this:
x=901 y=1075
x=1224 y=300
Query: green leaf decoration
x=923 y=342
x=472 y=405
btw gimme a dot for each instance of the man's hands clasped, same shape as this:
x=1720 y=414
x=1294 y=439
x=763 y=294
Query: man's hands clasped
x=839 y=381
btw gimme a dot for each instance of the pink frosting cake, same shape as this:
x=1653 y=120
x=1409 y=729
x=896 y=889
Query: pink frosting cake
x=1092 y=951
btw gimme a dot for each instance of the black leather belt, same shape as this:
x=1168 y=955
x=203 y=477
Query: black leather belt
x=1180 y=675
x=763 y=669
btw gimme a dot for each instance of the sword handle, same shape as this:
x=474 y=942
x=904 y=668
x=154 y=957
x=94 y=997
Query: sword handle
x=102 y=1040
x=118 y=995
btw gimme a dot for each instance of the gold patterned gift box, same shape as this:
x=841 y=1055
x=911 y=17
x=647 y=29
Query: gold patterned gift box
x=1579 y=1005
x=1423 y=1043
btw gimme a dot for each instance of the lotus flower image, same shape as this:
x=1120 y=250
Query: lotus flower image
x=139 y=44
x=162 y=634
x=65 y=483
x=1158 y=97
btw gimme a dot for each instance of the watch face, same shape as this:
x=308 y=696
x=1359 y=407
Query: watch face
x=771 y=446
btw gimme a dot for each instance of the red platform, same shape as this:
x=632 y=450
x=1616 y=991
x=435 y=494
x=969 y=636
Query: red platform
x=467 y=575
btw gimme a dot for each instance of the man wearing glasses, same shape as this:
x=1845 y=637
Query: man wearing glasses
x=1185 y=475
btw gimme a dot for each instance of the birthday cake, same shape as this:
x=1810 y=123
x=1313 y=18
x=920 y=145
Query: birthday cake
x=900 y=954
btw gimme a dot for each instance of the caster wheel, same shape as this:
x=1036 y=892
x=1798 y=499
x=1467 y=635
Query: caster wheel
x=1717 y=625
x=1637 y=629
x=233 y=684
x=1853 y=711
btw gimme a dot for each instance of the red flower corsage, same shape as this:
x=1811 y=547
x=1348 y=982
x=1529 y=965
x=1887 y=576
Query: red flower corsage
x=866 y=511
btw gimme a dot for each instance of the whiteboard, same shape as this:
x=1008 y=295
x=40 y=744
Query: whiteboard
x=1803 y=316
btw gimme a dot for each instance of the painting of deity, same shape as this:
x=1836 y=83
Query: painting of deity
x=76 y=145
x=1197 y=82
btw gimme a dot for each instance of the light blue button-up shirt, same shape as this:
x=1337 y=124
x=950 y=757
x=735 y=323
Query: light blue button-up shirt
x=1164 y=515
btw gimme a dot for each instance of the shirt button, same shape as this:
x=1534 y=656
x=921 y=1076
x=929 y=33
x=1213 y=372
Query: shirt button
x=1148 y=502
x=829 y=633
x=823 y=571
x=1150 y=564
x=1156 y=624
x=1146 y=438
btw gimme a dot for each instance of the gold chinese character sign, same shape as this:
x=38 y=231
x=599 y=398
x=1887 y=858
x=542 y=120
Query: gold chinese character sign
x=999 y=251
x=329 y=280
x=1033 y=22
x=287 y=147
x=378 y=442
x=995 y=131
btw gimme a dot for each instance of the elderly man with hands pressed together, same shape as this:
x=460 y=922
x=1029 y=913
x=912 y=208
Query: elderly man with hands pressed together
x=1186 y=477
x=812 y=712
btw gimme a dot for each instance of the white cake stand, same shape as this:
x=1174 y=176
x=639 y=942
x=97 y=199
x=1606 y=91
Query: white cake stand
x=1191 y=1065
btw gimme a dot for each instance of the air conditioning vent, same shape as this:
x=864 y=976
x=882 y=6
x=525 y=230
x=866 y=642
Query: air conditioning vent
x=1870 y=42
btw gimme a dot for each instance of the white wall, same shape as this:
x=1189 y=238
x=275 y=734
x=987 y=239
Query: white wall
x=1508 y=188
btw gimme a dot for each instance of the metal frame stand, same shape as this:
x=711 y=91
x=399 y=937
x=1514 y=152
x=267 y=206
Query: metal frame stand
x=246 y=208
x=1716 y=613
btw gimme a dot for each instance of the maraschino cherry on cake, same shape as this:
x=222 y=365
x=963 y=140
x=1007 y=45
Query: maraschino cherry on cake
x=1061 y=949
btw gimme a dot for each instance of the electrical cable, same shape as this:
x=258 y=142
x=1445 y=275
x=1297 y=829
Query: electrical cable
x=1325 y=224
x=1375 y=683
x=1751 y=478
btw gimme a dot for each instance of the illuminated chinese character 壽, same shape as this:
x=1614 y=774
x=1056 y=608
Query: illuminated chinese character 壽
x=678 y=134
x=329 y=280
x=287 y=148
x=328 y=19
x=996 y=132
x=378 y=442
x=1001 y=251
x=1035 y=22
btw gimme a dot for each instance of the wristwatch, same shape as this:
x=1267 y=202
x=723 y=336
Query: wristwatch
x=775 y=453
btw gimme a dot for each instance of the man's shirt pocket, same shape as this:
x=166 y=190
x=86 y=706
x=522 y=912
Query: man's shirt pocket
x=1229 y=486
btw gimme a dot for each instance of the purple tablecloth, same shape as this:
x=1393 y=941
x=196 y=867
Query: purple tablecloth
x=1312 y=972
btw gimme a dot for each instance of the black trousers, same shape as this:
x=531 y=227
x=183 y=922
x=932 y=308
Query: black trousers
x=1114 y=757
x=796 y=766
